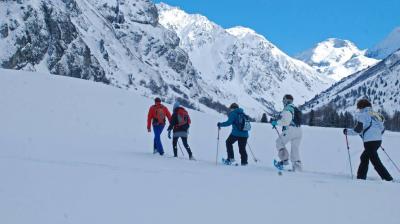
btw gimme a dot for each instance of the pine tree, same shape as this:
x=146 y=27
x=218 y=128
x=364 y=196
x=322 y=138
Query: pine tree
x=311 y=120
x=264 y=118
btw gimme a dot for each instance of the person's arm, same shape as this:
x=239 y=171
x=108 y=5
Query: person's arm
x=286 y=118
x=167 y=113
x=149 y=118
x=360 y=125
x=228 y=122
x=357 y=130
x=173 y=121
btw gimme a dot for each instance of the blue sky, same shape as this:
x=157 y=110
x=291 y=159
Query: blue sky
x=296 y=25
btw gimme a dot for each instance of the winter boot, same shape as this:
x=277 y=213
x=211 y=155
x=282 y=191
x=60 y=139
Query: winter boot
x=297 y=166
x=229 y=161
x=283 y=163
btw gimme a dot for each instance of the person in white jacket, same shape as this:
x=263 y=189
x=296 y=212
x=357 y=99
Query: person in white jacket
x=290 y=121
x=370 y=127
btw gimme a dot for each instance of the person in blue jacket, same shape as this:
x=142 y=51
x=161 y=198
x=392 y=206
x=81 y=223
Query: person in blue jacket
x=370 y=127
x=236 y=135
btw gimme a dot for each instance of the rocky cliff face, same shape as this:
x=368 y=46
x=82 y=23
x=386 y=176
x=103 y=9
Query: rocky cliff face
x=243 y=63
x=118 y=42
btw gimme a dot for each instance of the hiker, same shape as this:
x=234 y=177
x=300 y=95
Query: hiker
x=238 y=119
x=290 y=121
x=156 y=117
x=180 y=123
x=370 y=127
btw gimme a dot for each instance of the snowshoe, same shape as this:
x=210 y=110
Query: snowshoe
x=229 y=162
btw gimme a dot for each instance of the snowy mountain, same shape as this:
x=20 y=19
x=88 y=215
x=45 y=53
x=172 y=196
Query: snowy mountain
x=243 y=63
x=68 y=157
x=336 y=58
x=387 y=46
x=118 y=42
x=380 y=83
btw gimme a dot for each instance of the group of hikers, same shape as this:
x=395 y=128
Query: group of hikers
x=369 y=125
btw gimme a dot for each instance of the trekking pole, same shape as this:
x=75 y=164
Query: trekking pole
x=348 y=152
x=183 y=154
x=254 y=157
x=216 y=158
x=279 y=134
x=390 y=159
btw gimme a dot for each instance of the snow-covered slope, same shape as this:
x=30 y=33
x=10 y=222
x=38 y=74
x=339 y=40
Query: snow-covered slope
x=336 y=58
x=115 y=42
x=243 y=63
x=380 y=83
x=387 y=46
x=78 y=152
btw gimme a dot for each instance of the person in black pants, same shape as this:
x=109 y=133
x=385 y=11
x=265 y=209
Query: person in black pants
x=370 y=127
x=180 y=123
x=371 y=154
x=236 y=135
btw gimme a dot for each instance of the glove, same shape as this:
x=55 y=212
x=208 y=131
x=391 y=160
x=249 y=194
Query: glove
x=148 y=129
x=219 y=124
x=169 y=134
x=274 y=124
x=345 y=131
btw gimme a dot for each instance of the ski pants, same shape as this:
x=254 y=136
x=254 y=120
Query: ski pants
x=292 y=135
x=242 y=141
x=371 y=154
x=185 y=144
x=158 y=129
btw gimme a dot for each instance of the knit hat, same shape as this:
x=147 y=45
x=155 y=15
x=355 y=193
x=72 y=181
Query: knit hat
x=176 y=105
x=234 y=106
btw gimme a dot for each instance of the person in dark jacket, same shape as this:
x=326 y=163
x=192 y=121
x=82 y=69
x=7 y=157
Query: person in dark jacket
x=370 y=127
x=236 y=135
x=180 y=123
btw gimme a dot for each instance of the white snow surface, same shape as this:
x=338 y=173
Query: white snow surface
x=73 y=151
x=387 y=46
x=336 y=58
x=241 y=62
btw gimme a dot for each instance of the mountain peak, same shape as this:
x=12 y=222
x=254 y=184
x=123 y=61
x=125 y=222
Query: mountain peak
x=336 y=58
x=240 y=31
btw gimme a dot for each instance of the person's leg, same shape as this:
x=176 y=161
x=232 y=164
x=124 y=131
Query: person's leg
x=229 y=146
x=154 y=145
x=375 y=160
x=174 y=146
x=157 y=138
x=296 y=133
x=364 y=163
x=186 y=145
x=281 y=142
x=242 y=150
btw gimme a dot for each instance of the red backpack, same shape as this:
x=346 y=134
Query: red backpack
x=182 y=117
x=160 y=114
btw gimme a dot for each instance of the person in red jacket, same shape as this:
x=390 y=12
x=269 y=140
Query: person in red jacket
x=156 y=117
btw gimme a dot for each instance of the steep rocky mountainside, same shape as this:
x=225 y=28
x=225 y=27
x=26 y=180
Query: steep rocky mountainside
x=242 y=62
x=118 y=42
x=380 y=83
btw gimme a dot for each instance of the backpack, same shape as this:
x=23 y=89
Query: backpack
x=160 y=114
x=377 y=117
x=182 y=117
x=297 y=116
x=243 y=122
